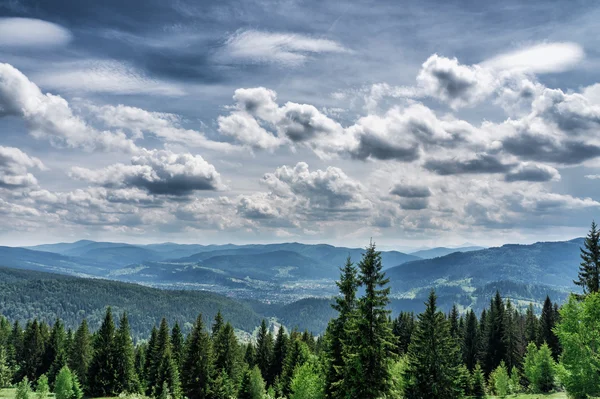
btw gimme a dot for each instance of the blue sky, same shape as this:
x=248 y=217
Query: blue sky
x=418 y=123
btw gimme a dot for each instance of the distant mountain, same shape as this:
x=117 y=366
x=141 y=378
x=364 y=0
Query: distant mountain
x=22 y=258
x=26 y=294
x=443 y=251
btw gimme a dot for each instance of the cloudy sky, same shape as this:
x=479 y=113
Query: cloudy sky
x=417 y=123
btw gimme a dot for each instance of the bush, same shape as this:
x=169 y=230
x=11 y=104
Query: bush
x=23 y=389
x=42 y=389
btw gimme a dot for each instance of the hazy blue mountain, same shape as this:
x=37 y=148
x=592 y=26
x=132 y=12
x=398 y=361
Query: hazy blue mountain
x=442 y=251
x=22 y=258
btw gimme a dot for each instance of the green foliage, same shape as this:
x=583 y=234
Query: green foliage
x=81 y=352
x=515 y=381
x=477 y=383
x=23 y=389
x=402 y=328
x=433 y=358
x=471 y=342
x=67 y=385
x=102 y=379
x=578 y=334
x=197 y=371
x=369 y=351
x=264 y=349
x=499 y=381
x=397 y=371
x=124 y=357
x=6 y=372
x=539 y=368
x=253 y=385
x=307 y=382
x=589 y=269
x=42 y=389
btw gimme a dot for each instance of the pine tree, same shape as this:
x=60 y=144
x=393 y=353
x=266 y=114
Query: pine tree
x=217 y=325
x=164 y=365
x=531 y=325
x=453 y=319
x=250 y=355
x=23 y=389
x=402 y=328
x=477 y=383
x=227 y=353
x=471 y=341
x=127 y=379
x=32 y=352
x=102 y=378
x=546 y=331
x=494 y=334
x=80 y=355
x=298 y=353
x=6 y=372
x=253 y=386
x=280 y=349
x=345 y=304
x=197 y=370
x=511 y=338
x=264 y=350
x=42 y=389
x=15 y=353
x=589 y=269
x=369 y=354
x=55 y=356
x=177 y=343
x=433 y=358
x=149 y=376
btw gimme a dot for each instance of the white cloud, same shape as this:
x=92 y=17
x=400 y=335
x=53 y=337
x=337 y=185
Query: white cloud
x=539 y=58
x=103 y=76
x=275 y=47
x=158 y=172
x=14 y=166
x=28 y=32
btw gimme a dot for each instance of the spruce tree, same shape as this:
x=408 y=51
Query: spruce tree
x=471 y=341
x=163 y=365
x=217 y=325
x=55 y=357
x=253 y=386
x=531 y=325
x=32 y=354
x=280 y=349
x=264 y=350
x=433 y=358
x=511 y=338
x=402 y=328
x=80 y=355
x=127 y=379
x=149 y=376
x=369 y=353
x=177 y=343
x=453 y=317
x=345 y=304
x=477 y=383
x=589 y=270
x=494 y=335
x=6 y=373
x=227 y=355
x=250 y=355
x=15 y=354
x=546 y=331
x=298 y=353
x=102 y=378
x=197 y=371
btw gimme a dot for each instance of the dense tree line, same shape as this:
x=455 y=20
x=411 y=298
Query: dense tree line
x=364 y=353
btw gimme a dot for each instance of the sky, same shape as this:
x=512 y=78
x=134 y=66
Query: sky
x=415 y=124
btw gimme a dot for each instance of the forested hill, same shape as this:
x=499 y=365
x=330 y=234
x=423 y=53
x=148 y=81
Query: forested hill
x=28 y=294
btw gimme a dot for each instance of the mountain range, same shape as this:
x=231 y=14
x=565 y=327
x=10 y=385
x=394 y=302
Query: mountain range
x=294 y=282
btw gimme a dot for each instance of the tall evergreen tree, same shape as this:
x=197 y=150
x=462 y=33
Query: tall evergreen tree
x=531 y=325
x=218 y=324
x=32 y=353
x=55 y=357
x=253 y=386
x=471 y=341
x=433 y=358
x=127 y=379
x=589 y=270
x=511 y=338
x=15 y=349
x=102 y=378
x=149 y=376
x=453 y=318
x=402 y=328
x=264 y=349
x=197 y=370
x=250 y=355
x=546 y=331
x=298 y=353
x=177 y=343
x=280 y=349
x=494 y=334
x=345 y=304
x=369 y=354
x=80 y=355
x=165 y=373
x=227 y=355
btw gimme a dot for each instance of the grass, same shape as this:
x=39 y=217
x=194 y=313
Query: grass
x=558 y=395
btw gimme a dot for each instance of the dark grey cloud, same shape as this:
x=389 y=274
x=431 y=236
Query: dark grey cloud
x=481 y=164
x=546 y=149
x=410 y=191
x=532 y=173
x=376 y=147
x=414 y=204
